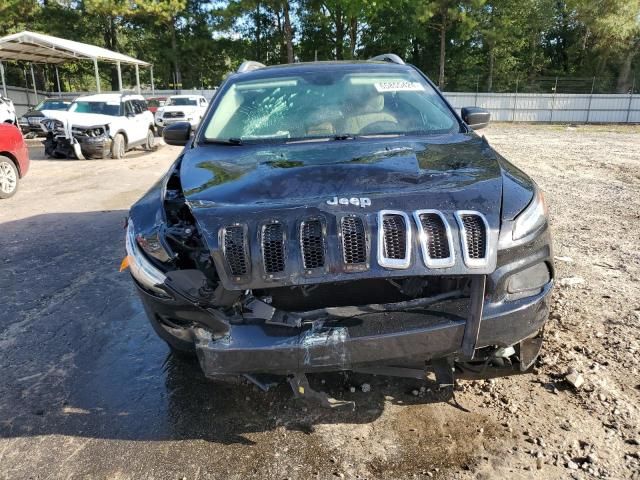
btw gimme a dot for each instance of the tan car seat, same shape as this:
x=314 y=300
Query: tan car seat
x=320 y=122
x=367 y=113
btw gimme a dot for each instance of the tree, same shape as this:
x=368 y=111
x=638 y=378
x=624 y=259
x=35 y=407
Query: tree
x=442 y=15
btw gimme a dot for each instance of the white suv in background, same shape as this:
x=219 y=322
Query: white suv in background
x=7 y=111
x=181 y=108
x=98 y=126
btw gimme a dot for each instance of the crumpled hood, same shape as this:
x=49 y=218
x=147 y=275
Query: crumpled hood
x=306 y=173
x=250 y=185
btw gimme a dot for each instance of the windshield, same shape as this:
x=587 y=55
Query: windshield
x=52 y=105
x=329 y=104
x=103 y=108
x=182 y=101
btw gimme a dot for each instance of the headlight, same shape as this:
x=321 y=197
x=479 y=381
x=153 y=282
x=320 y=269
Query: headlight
x=532 y=218
x=142 y=269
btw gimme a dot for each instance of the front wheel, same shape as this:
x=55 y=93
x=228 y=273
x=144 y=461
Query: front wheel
x=151 y=139
x=159 y=130
x=8 y=178
x=118 y=147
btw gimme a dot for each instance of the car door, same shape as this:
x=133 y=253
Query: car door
x=136 y=131
x=143 y=116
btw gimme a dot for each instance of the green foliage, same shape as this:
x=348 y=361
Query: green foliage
x=494 y=45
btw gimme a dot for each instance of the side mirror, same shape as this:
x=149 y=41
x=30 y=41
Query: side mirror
x=476 y=117
x=177 y=134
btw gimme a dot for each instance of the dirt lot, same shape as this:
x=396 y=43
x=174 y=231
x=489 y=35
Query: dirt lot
x=88 y=391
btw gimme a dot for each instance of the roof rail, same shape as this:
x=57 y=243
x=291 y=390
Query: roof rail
x=248 y=66
x=388 y=57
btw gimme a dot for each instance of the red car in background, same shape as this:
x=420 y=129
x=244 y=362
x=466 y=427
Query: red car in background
x=154 y=103
x=14 y=159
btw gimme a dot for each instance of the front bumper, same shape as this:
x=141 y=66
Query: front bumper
x=383 y=338
x=165 y=122
x=94 y=147
x=390 y=338
x=90 y=147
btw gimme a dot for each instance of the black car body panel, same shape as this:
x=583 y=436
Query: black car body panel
x=236 y=277
x=264 y=185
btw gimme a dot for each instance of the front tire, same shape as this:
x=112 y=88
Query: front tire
x=9 y=178
x=151 y=139
x=118 y=147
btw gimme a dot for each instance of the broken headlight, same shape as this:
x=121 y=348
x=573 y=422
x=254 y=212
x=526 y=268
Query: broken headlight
x=52 y=125
x=145 y=273
x=89 y=132
x=532 y=218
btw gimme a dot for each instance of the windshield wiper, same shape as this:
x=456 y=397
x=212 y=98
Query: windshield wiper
x=220 y=141
x=344 y=136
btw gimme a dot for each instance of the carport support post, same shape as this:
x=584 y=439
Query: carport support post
x=153 y=87
x=33 y=80
x=58 y=80
x=95 y=67
x=119 y=76
x=138 y=78
x=4 y=85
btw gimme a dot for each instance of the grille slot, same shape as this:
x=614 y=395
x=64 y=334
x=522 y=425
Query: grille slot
x=435 y=239
x=273 y=248
x=394 y=239
x=476 y=236
x=312 y=244
x=436 y=233
x=354 y=241
x=235 y=250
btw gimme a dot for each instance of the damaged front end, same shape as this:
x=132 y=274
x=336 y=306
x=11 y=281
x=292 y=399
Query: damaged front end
x=225 y=293
x=64 y=140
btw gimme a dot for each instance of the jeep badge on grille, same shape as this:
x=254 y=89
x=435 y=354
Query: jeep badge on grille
x=358 y=202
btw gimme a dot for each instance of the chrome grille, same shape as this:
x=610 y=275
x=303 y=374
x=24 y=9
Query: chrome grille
x=354 y=242
x=235 y=250
x=394 y=239
x=435 y=239
x=312 y=244
x=474 y=231
x=435 y=236
x=273 y=248
x=476 y=236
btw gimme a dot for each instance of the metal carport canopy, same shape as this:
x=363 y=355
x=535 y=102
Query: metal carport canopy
x=41 y=48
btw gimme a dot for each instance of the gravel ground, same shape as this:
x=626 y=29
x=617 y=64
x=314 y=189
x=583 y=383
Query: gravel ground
x=88 y=391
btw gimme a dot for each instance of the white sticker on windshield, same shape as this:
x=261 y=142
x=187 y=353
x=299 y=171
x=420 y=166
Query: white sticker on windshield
x=399 y=86
x=113 y=102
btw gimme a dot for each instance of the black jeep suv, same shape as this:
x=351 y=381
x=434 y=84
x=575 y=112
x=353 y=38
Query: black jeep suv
x=341 y=216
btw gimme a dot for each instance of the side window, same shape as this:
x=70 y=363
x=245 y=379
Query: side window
x=128 y=108
x=137 y=107
x=143 y=105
